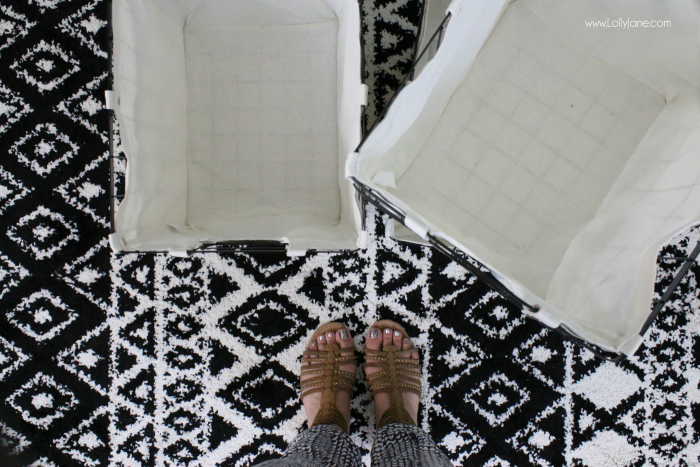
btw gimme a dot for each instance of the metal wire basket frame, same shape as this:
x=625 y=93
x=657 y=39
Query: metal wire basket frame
x=478 y=269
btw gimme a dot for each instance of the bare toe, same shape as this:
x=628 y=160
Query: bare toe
x=374 y=339
x=388 y=338
x=330 y=338
x=344 y=339
x=397 y=339
x=313 y=346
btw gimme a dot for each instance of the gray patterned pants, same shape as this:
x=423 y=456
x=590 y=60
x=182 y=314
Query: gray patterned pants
x=397 y=445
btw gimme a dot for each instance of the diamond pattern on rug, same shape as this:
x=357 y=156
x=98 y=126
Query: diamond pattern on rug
x=42 y=315
x=43 y=233
x=41 y=401
x=149 y=360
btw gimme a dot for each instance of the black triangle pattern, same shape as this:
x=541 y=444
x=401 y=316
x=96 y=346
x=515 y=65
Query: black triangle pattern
x=146 y=360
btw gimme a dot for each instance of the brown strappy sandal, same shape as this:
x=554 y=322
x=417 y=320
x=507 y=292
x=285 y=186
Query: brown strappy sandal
x=330 y=378
x=393 y=379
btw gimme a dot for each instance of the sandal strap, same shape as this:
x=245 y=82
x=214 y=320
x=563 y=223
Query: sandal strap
x=328 y=379
x=329 y=414
x=340 y=373
x=314 y=388
x=387 y=386
x=310 y=391
x=322 y=377
x=395 y=414
x=393 y=379
x=320 y=380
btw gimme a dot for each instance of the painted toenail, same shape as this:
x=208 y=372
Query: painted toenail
x=330 y=334
x=388 y=331
x=407 y=340
x=313 y=343
x=321 y=337
x=344 y=334
x=373 y=333
x=397 y=333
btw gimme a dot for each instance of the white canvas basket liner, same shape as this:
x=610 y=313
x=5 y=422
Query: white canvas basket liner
x=561 y=156
x=236 y=118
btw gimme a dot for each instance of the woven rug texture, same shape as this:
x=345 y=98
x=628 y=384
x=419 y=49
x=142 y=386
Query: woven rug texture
x=136 y=360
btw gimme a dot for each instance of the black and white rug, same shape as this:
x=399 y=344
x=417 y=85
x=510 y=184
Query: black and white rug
x=150 y=360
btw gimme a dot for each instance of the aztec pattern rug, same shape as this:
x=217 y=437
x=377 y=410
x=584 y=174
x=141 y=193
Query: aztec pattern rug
x=149 y=360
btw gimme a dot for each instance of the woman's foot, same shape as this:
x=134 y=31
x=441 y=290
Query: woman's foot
x=312 y=402
x=377 y=339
